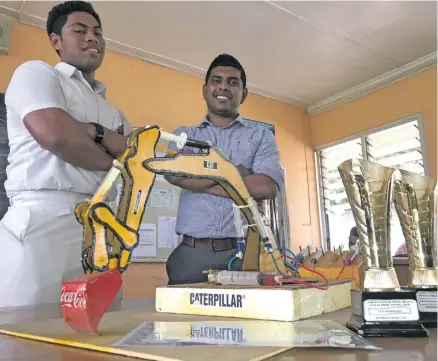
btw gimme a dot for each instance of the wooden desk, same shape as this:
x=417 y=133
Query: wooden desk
x=16 y=349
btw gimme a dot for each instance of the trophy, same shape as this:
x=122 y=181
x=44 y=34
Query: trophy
x=415 y=199
x=380 y=306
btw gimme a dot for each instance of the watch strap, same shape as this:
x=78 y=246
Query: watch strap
x=100 y=132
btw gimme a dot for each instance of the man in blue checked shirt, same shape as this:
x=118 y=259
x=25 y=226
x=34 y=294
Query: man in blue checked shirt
x=205 y=214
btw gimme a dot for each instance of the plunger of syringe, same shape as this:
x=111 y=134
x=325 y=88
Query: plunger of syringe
x=182 y=140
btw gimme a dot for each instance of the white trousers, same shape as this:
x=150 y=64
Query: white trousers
x=40 y=247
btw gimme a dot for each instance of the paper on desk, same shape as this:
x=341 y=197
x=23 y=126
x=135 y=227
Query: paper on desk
x=253 y=333
x=147 y=246
x=167 y=237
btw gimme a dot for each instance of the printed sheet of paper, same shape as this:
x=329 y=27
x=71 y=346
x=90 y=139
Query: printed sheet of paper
x=147 y=246
x=160 y=178
x=253 y=333
x=163 y=198
x=119 y=194
x=167 y=237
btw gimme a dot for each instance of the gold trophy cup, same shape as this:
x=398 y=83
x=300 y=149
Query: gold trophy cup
x=415 y=200
x=380 y=307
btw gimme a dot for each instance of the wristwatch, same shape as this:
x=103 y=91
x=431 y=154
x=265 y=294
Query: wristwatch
x=100 y=132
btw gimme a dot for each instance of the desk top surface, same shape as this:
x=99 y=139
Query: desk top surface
x=16 y=349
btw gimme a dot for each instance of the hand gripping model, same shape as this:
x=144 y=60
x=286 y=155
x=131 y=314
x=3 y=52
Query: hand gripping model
x=110 y=237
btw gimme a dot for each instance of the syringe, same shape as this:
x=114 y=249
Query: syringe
x=299 y=257
x=261 y=226
x=352 y=253
x=182 y=140
x=239 y=231
x=316 y=256
x=244 y=278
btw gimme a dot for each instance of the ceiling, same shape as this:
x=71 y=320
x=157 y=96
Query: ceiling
x=314 y=54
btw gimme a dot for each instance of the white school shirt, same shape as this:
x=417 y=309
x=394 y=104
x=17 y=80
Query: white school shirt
x=36 y=85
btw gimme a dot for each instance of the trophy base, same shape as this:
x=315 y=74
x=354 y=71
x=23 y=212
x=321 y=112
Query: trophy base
x=427 y=300
x=378 y=280
x=386 y=329
x=386 y=314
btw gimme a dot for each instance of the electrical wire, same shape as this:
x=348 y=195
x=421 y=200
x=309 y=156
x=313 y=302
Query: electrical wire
x=304 y=283
x=295 y=264
x=340 y=272
x=293 y=267
x=230 y=262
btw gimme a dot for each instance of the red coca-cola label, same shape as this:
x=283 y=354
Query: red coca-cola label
x=85 y=299
x=73 y=298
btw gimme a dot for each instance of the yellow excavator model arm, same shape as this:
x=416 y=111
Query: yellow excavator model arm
x=110 y=237
x=260 y=252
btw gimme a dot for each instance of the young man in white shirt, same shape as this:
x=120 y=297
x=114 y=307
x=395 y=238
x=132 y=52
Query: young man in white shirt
x=63 y=137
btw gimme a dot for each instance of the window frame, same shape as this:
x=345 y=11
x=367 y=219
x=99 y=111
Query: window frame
x=362 y=135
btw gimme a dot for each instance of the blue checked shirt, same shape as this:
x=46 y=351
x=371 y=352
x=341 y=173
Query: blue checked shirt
x=203 y=215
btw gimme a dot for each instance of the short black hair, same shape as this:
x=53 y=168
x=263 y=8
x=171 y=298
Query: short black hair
x=226 y=60
x=353 y=232
x=59 y=14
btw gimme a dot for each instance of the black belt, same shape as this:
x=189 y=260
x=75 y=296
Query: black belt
x=216 y=244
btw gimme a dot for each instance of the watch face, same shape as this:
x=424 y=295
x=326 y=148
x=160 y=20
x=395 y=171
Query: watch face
x=100 y=133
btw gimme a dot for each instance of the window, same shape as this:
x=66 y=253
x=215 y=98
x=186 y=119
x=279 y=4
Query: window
x=396 y=145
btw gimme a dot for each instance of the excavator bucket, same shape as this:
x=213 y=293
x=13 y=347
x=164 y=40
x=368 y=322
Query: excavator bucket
x=86 y=298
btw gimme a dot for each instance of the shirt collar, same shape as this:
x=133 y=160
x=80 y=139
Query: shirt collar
x=70 y=71
x=238 y=119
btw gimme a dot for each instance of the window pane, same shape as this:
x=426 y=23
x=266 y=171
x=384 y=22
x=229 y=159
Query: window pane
x=338 y=217
x=397 y=147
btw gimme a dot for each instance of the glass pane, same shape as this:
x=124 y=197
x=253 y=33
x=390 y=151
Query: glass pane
x=397 y=147
x=339 y=219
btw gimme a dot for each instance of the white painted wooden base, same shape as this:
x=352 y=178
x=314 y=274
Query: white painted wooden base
x=285 y=303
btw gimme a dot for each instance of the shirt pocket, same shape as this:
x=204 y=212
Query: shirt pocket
x=77 y=106
x=243 y=153
x=109 y=116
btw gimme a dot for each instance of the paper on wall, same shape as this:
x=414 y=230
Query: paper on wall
x=147 y=246
x=157 y=198
x=160 y=178
x=119 y=188
x=163 y=198
x=167 y=237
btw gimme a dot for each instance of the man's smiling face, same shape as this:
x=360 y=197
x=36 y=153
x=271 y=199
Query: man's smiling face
x=81 y=43
x=224 y=91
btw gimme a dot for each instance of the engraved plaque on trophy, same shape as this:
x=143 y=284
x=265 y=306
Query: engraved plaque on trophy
x=380 y=307
x=415 y=200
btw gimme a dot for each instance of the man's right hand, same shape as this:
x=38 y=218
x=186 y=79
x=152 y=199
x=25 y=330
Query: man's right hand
x=70 y=140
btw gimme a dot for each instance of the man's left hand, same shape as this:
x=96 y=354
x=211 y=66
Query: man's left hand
x=244 y=171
